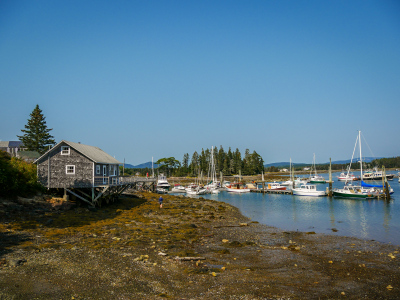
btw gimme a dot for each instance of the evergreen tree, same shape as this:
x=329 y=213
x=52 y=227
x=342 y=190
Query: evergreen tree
x=220 y=160
x=185 y=161
x=36 y=134
x=194 y=164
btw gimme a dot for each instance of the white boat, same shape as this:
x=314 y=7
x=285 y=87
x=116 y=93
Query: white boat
x=162 y=183
x=275 y=186
x=237 y=188
x=308 y=190
x=178 y=189
x=194 y=189
x=347 y=177
x=365 y=190
x=376 y=175
x=316 y=178
x=213 y=185
x=226 y=183
x=351 y=191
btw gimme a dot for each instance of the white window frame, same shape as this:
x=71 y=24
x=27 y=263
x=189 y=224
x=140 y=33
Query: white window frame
x=68 y=172
x=113 y=170
x=98 y=169
x=65 y=150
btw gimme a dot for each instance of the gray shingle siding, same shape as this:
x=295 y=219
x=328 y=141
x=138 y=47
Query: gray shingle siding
x=84 y=166
x=59 y=178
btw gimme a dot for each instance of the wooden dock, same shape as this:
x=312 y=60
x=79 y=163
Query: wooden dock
x=267 y=191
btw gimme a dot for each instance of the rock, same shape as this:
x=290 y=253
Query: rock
x=16 y=262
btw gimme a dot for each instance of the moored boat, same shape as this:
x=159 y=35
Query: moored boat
x=316 y=178
x=178 y=189
x=376 y=175
x=350 y=191
x=275 y=186
x=194 y=189
x=237 y=188
x=347 y=177
x=162 y=183
x=308 y=190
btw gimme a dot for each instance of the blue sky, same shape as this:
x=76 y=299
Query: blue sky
x=143 y=79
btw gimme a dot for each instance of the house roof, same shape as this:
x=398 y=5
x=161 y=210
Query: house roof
x=28 y=154
x=11 y=144
x=93 y=153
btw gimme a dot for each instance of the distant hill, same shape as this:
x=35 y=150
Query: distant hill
x=141 y=166
x=338 y=162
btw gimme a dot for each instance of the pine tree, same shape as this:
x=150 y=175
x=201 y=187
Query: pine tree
x=36 y=134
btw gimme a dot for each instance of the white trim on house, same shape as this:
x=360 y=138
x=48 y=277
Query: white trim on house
x=70 y=169
x=65 y=150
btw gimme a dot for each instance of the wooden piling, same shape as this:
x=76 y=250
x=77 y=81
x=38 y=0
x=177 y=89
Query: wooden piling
x=386 y=183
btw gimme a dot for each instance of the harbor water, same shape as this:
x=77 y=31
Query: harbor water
x=370 y=219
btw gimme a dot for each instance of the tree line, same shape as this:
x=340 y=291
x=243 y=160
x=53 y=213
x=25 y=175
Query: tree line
x=228 y=162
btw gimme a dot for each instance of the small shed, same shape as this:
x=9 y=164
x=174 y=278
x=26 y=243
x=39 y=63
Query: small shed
x=75 y=167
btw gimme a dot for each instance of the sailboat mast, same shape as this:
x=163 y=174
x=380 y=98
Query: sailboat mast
x=359 y=140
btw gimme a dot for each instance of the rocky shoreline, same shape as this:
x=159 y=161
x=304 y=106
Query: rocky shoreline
x=189 y=249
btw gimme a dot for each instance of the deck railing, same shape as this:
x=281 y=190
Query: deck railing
x=118 y=180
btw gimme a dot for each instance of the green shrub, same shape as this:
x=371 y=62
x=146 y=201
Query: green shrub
x=17 y=177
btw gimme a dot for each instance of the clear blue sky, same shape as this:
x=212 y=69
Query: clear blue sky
x=143 y=79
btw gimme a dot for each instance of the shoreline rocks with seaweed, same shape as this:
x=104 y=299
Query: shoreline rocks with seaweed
x=189 y=249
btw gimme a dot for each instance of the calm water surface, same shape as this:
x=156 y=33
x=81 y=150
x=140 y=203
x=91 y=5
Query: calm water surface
x=367 y=219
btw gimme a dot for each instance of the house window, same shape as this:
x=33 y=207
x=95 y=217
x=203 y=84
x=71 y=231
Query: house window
x=64 y=150
x=70 y=169
x=113 y=170
x=97 y=169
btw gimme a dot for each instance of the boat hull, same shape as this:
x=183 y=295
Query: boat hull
x=307 y=193
x=237 y=190
x=317 y=181
x=350 y=195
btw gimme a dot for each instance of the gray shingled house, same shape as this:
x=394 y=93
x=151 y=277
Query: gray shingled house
x=75 y=167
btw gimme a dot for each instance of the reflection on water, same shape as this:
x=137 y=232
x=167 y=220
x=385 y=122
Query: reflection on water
x=370 y=219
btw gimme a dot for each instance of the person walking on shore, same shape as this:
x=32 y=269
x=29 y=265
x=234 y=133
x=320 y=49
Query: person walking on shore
x=160 y=200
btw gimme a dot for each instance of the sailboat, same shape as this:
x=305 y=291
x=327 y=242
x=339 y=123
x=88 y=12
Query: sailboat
x=316 y=178
x=350 y=191
x=213 y=184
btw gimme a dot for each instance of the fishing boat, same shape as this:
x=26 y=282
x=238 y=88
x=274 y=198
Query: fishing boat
x=376 y=175
x=237 y=187
x=308 y=190
x=316 y=178
x=347 y=177
x=275 y=186
x=350 y=191
x=162 y=183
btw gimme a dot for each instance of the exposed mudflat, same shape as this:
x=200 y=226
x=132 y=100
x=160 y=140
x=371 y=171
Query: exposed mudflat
x=189 y=249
